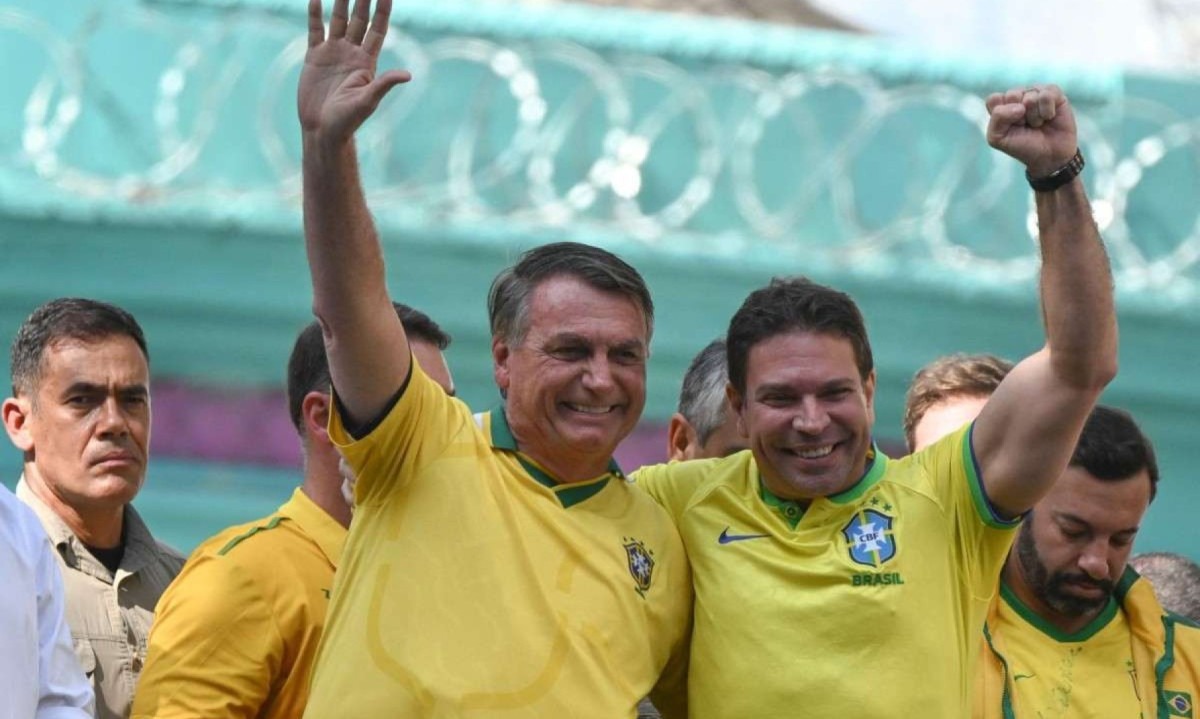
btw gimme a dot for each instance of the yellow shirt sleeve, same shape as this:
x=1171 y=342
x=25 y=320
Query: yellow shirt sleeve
x=416 y=430
x=983 y=538
x=213 y=645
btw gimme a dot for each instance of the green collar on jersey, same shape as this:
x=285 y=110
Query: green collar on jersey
x=792 y=511
x=1035 y=620
x=568 y=494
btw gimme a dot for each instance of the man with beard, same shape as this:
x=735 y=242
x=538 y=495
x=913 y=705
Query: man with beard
x=1073 y=631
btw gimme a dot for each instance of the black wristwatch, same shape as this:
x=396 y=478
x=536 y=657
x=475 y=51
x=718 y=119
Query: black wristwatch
x=1059 y=177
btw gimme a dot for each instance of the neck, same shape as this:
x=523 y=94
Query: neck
x=94 y=526
x=1014 y=576
x=323 y=483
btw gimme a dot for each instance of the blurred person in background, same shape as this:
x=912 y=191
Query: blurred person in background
x=39 y=675
x=498 y=564
x=704 y=425
x=1072 y=631
x=237 y=632
x=1176 y=581
x=80 y=414
x=948 y=393
x=824 y=571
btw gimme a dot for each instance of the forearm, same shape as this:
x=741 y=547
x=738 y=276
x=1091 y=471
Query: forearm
x=1077 y=290
x=365 y=342
x=343 y=248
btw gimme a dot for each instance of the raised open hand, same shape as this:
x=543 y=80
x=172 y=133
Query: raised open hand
x=1035 y=125
x=339 y=88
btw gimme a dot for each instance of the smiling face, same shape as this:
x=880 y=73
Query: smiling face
x=1072 y=550
x=575 y=384
x=85 y=431
x=807 y=413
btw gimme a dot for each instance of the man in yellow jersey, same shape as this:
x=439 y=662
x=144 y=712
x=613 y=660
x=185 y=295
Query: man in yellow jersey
x=703 y=426
x=832 y=581
x=236 y=633
x=498 y=564
x=1073 y=632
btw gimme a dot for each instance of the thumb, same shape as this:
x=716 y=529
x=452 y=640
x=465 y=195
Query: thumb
x=384 y=82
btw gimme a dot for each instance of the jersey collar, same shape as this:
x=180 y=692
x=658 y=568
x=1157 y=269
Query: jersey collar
x=568 y=494
x=1100 y=621
x=317 y=524
x=792 y=511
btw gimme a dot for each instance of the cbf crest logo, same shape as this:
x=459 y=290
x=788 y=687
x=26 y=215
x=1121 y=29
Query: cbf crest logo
x=1179 y=703
x=641 y=563
x=869 y=535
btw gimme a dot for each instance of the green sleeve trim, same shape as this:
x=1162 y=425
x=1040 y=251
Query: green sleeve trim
x=246 y=535
x=983 y=505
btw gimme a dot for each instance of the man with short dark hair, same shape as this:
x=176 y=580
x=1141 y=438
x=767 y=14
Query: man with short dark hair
x=825 y=572
x=498 y=564
x=1072 y=632
x=237 y=632
x=704 y=425
x=1176 y=581
x=80 y=414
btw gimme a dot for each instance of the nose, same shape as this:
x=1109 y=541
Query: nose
x=598 y=376
x=1094 y=559
x=113 y=420
x=810 y=417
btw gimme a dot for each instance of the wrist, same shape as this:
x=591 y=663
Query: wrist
x=1042 y=180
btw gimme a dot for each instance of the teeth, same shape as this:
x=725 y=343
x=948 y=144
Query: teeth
x=590 y=409
x=815 y=452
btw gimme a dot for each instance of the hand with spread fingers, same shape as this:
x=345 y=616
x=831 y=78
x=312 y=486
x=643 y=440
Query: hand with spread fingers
x=339 y=86
x=1035 y=125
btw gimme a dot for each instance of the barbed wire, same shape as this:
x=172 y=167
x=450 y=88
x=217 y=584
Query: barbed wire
x=826 y=162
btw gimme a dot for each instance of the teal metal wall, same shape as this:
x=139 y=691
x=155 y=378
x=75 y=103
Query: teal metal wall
x=148 y=156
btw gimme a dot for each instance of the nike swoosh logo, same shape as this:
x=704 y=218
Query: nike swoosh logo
x=1019 y=677
x=726 y=537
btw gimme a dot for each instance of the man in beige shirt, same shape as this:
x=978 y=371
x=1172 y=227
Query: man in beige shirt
x=80 y=414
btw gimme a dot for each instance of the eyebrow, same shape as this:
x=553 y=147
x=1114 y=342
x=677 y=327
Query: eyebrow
x=93 y=388
x=1080 y=521
x=839 y=383
x=574 y=338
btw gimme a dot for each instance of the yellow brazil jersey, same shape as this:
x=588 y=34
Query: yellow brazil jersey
x=866 y=603
x=474 y=586
x=1055 y=675
x=236 y=634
